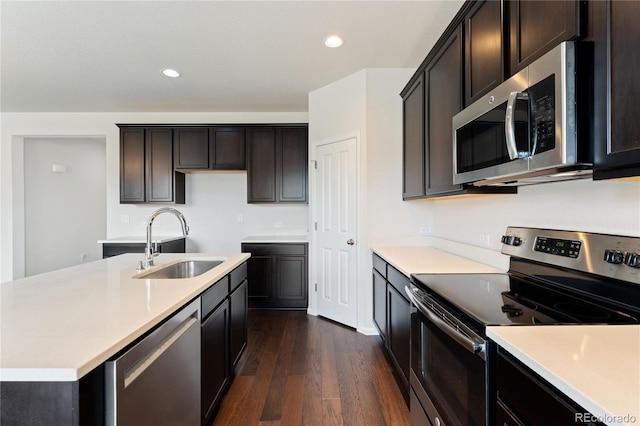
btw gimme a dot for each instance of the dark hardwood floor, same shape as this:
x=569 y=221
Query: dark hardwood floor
x=304 y=370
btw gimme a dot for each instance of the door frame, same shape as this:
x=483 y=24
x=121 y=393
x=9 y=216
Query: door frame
x=313 y=203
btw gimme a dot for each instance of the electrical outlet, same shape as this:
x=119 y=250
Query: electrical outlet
x=484 y=239
x=240 y=218
x=124 y=218
x=83 y=257
x=424 y=230
x=279 y=224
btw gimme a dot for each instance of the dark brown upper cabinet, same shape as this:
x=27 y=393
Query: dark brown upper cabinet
x=191 y=148
x=132 y=174
x=277 y=159
x=535 y=27
x=292 y=165
x=616 y=37
x=146 y=167
x=443 y=77
x=483 y=48
x=227 y=148
x=209 y=148
x=413 y=153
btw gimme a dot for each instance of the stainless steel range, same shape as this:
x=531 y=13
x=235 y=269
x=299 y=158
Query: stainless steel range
x=554 y=277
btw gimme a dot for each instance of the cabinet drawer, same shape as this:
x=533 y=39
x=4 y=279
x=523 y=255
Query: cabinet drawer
x=238 y=275
x=380 y=265
x=397 y=279
x=214 y=296
x=268 y=249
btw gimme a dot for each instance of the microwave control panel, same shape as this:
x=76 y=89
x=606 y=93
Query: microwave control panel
x=542 y=98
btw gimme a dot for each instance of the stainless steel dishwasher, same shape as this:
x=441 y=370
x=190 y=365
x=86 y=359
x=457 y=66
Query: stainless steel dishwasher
x=157 y=381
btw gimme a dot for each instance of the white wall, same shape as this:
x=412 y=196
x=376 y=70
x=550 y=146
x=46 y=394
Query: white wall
x=16 y=126
x=367 y=105
x=611 y=207
x=65 y=213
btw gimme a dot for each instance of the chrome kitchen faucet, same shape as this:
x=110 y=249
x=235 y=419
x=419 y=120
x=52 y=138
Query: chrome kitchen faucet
x=149 y=251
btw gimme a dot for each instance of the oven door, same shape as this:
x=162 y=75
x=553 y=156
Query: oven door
x=449 y=366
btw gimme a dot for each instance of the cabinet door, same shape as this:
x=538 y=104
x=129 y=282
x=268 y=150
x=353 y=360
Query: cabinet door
x=159 y=165
x=226 y=148
x=444 y=100
x=132 y=187
x=261 y=165
x=260 y=274
x=483 y=49
x=191 y=148
x=215 y=372
x=536 y=27
x=616 y=88
x=238 y=303
x=413 y=156
x=292 y=165
x=291 y=281
x=380 y=303
x=398 y=332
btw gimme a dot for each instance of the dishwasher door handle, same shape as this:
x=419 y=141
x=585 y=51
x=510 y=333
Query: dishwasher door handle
x=141 y=366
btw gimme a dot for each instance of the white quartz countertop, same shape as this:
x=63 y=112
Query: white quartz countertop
x=598 y=366
x=60 y=325
x=276 y=239
x=140 y=239
x=428 y=260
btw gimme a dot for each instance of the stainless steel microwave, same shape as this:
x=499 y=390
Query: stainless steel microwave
x=524 y=131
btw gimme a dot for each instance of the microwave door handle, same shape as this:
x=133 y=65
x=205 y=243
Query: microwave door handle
x=510 y=125
x=475 y=347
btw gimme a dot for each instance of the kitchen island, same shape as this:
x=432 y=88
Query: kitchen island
x=60 y=327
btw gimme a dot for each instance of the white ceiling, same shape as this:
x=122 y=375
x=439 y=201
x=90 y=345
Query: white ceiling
x=101 y=56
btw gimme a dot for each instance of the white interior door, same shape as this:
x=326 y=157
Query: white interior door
x=336 y=261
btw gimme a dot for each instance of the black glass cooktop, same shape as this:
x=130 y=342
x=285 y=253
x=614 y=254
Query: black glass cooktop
x=501 y=299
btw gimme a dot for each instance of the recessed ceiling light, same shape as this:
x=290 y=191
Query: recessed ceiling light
x=333 y=41
x=170 y=72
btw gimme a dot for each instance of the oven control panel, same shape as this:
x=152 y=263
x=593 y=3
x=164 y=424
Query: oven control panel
x=614 y=256
x=559 y=247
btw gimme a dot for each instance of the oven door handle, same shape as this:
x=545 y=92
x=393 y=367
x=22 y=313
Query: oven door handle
x=451 y=326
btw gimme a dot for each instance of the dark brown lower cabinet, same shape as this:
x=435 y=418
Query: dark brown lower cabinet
x=238 y=304
x=215 y=371
x=277 y=275
x=392 y=317
x=114 y=249
x=380 y=303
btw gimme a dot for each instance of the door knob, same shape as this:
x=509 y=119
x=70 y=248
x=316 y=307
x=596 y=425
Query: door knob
x=350 y=241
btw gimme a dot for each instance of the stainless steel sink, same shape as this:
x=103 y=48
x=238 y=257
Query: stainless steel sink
x=183 y=269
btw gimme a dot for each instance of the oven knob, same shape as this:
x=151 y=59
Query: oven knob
x=510 y=240
x=632 y=259
x=613 y=256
